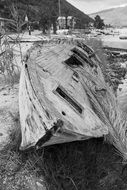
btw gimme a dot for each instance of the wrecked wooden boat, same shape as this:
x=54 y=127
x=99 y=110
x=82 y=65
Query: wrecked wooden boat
x=53 y=97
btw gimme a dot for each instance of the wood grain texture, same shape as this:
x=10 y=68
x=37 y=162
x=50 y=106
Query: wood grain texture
x=41 y=108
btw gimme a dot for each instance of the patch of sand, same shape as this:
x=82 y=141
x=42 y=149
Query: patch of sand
x=8 y=108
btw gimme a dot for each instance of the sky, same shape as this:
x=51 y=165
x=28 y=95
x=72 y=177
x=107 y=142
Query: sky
x=92 y=6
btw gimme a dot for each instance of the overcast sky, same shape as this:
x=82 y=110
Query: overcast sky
x=91 y=6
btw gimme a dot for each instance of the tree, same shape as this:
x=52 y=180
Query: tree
x=17 y=15
x=98 y=22
x=53 y=19
x=48 y=15
x=66 y=13
x=54 y=14
x=44 y=21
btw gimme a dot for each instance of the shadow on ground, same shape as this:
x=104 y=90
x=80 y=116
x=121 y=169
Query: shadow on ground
x=86 y=165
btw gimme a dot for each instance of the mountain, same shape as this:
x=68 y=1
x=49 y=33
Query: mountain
x=114 y=16
x=33 y=7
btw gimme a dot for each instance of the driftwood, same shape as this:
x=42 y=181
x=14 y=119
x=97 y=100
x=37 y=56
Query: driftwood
x=63 y=97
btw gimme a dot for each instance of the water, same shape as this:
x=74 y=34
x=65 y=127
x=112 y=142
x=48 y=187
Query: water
x=114 y=42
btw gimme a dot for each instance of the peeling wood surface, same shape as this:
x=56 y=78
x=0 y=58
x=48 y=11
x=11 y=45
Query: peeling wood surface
x=54 y=107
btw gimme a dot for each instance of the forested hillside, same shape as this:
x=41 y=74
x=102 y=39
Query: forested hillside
x=44 y=10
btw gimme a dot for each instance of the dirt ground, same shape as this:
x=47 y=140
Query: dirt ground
x=8 y=109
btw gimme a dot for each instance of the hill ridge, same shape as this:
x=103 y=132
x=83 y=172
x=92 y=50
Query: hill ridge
x=35 y=6
x=115 y=16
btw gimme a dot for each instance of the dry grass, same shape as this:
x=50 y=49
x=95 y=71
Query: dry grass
x=110 y=66
x=13 y=79
x=9 y=68
x=86 y=165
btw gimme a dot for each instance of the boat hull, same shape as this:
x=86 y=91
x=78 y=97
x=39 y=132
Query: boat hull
x=54 y=106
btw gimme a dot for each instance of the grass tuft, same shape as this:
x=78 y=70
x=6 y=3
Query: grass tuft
x=87 y=165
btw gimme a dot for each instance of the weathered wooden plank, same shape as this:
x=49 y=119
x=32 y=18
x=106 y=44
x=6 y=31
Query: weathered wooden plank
x=50 y=96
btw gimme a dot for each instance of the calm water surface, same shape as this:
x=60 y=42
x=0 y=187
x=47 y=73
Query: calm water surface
x=114 y=41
